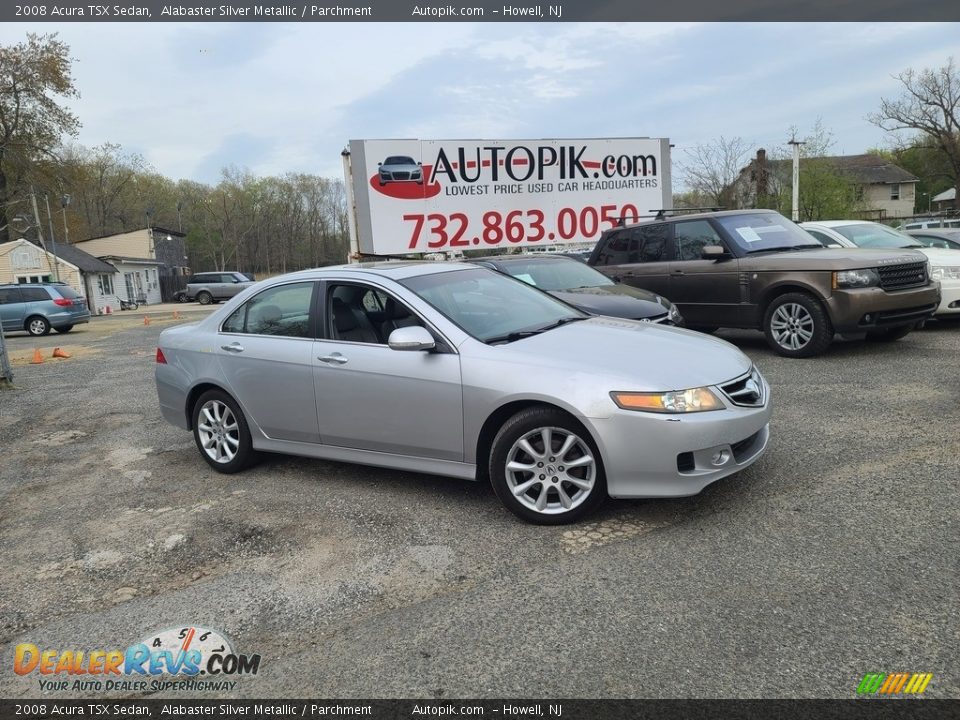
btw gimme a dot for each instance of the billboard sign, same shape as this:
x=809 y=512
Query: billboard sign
x=415 y=196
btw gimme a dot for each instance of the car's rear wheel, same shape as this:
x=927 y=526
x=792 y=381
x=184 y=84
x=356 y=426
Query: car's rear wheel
x=37 y=326
x=890 y=334
x=797 y=326
x=64 y=328
x=204 y=298
x=545 y=468
x=221 y=432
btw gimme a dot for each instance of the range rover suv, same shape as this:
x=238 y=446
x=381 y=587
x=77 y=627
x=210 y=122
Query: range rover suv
x=211 y=287
x=756 y=269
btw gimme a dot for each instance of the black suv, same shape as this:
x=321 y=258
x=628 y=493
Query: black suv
x=756 y=269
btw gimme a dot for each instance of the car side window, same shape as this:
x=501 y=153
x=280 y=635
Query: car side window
x=692 y=236
x=654 y=242
x=360 y=313
x=8 y=296
x=932 y=241
x=34 y=294
x=622 y=247
x=283 y=310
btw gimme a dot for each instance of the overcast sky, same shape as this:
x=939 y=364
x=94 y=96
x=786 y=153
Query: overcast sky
x=192 y=98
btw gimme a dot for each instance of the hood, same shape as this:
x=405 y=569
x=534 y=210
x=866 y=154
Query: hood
x=616 y=300
x=632 y=355
x=830 y=259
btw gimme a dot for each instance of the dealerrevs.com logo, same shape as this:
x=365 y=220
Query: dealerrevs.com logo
x=184 y=658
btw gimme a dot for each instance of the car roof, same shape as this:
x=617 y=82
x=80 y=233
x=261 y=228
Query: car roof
x=838 y=223
x=393 y=269
x=945 y=233
x=694 y=216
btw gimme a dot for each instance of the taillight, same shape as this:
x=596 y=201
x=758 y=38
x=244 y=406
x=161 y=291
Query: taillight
x=63 y=302
x=160 y=358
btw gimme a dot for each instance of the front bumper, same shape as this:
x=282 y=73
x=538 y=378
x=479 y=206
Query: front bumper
x=950 y=301
x=857 y=310
x=649 y=455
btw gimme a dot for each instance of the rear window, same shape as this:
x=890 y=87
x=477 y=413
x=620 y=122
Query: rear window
x=68 y=292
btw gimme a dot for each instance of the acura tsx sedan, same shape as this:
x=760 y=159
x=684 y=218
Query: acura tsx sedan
x=458 y=370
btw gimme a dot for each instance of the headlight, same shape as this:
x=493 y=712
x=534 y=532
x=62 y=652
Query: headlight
x=946 y=272
x=674 y=315
x=677 y=401
x=855 y=278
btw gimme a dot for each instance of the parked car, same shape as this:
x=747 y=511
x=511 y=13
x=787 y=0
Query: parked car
x=944 y=264
x=930 y=224
x=400 y=168
x=756 y=269
x=946 y=239
x=454 y=369
x=580 y=285
x=211 y=287
x=35 y=308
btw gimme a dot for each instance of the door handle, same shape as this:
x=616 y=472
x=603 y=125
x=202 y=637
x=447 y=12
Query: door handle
x=335 y=358
x=232 y=347
x=678 y=272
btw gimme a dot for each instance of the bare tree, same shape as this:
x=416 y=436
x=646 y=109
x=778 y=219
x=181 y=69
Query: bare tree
x=928 y=104
x=711 y=168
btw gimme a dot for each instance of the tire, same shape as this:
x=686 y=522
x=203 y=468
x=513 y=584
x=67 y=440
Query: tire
x=890 y=334
x=521 y=442
x=797 y=326
x=64 y=329
x=204 y=298
x=182 y=297
x=37 y=325
x=219 y=423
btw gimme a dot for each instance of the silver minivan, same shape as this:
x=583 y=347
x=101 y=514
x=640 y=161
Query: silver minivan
x=36 y=308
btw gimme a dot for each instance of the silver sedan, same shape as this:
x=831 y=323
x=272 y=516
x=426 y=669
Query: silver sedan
x=456 y=370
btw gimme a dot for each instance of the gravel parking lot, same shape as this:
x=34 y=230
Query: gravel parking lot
x=833 y=556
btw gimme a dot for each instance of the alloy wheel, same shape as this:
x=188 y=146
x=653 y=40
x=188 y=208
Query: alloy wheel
x=219 y=431
x=792 y=326
x=550 y=470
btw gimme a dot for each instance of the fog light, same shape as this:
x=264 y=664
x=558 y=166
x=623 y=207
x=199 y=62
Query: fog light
x=720 y=457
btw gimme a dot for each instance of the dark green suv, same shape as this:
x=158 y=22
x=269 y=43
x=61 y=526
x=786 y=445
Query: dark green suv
x=756 y=269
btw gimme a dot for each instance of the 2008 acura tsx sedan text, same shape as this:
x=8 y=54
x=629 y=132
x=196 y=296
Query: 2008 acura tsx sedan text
x=456 y=370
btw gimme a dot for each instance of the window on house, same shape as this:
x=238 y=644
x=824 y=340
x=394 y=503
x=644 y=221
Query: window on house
x=895 y=191
x=34 y=279
x=105 y=284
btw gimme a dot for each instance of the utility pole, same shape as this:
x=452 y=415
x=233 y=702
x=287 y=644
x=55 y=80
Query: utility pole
x=39 y=226
x=64 y=201
x=53 y=240
x=796 y=178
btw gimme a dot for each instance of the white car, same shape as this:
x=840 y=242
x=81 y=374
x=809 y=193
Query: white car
x=944 y=264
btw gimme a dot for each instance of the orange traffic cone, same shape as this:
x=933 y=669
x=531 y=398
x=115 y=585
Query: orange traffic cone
x=146 y=320
x=58 y=353
x=176 y=315
x=37 y=357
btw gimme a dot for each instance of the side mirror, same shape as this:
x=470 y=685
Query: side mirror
x=413 y=338
x=419 y=163
x=379 y=164
x=713 y=252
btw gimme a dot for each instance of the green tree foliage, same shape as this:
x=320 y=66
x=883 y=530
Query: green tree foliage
x=34 y=79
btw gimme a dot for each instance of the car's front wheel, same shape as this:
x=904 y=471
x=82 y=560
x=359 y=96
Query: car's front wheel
x=204 y=298
x=797 y=326
x=545 y=468
x=222 y=433
x=37 y=326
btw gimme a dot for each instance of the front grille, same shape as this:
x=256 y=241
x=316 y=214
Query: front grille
x=746 y=391
x=401 y=176
x=899 y=277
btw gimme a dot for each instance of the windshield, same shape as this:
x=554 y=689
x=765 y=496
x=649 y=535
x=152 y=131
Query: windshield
x=874 y=235
x=490 y=306
x=756 y=232
x=554 y=274
x=399 y=160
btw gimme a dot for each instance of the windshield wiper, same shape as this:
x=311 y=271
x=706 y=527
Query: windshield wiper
x=520 y=334
x=785 y=249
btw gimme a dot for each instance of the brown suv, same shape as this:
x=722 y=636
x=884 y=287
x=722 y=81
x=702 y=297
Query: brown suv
x=756 y=269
